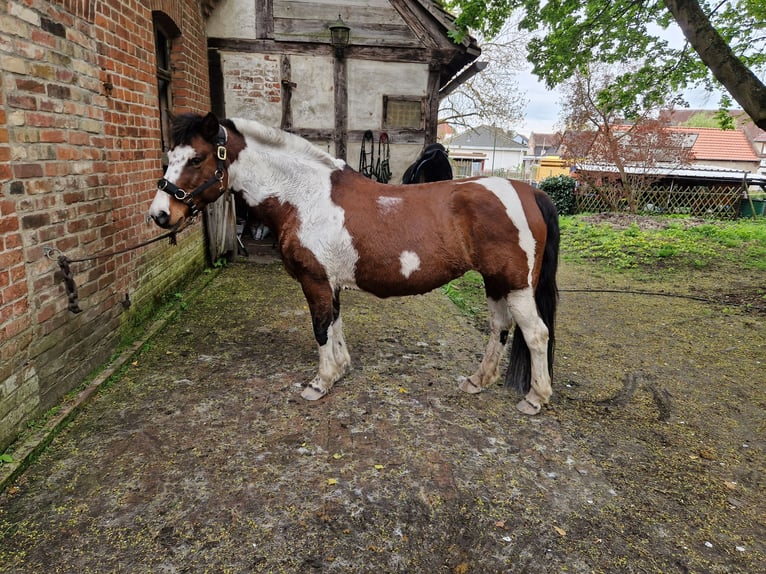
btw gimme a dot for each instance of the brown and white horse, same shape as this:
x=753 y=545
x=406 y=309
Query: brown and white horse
x=337 y=229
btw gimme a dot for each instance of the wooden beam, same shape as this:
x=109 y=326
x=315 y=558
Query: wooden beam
x=264 y=21
x=287 y=93
x=341 y=106
x=377 y=53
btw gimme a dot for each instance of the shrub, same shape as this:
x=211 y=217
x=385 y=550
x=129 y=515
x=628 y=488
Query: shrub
x=561 y=190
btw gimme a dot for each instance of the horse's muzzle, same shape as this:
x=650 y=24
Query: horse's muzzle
x=162 y=219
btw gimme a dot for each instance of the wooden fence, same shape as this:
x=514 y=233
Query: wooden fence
x=720 y=202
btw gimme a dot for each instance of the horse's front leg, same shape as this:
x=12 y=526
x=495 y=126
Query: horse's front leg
x=329 y=337
x=342 y=358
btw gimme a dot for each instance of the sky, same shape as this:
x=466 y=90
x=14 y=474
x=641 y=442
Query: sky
x=542 y=111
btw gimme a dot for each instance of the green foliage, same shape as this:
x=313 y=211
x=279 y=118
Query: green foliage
x=724 y=120
x=561 y=189
x=632 y=249
x=568 y=35
x=701 y=120
x=676 y=243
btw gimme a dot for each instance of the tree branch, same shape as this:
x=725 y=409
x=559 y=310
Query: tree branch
x=717 y=55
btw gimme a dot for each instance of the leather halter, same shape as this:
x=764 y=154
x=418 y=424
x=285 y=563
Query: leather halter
x=188 y=198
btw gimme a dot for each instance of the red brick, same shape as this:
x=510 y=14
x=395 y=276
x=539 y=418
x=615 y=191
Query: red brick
x=23 y=170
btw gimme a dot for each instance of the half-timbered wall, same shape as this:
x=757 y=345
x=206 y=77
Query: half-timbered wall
x=277 y=66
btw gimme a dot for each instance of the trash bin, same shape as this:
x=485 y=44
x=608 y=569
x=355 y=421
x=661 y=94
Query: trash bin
x=759 y=205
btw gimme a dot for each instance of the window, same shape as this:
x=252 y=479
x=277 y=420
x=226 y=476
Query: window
x=164 y=33
x=403 y=112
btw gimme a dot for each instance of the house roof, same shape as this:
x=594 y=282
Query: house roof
x=702 y=172
x=678 y=117
x=462 y=154
x=544 y=144
x=488 y=137
x=720 y=145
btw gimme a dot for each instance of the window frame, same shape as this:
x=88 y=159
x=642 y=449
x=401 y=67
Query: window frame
x=387 y=120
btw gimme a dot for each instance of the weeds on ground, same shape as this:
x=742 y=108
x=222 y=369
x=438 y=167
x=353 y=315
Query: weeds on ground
x=686 y=245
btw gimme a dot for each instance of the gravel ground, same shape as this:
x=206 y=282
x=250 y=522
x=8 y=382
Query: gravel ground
x=201 y=456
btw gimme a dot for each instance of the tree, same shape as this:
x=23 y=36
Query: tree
x=725 y=43
x=618 y=160
x=492 y=97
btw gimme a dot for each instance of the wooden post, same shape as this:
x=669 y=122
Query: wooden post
x=432 y=103
x=287 y=94
x=341 y=106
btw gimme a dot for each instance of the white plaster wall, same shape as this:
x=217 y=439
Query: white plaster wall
x=504 y=159
x=232 y=19
x=313 y=97
x=252 y=87
x=401 y=158
x=369 y=81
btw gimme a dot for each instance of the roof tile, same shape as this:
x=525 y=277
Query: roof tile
x=715 y=144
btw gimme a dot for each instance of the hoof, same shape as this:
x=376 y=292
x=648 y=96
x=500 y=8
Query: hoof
x=313 y=392
x=468 y=386
x=528 y=407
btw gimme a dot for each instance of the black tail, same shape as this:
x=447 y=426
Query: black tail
x=519 y=373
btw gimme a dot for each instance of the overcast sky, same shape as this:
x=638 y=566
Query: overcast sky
x=542 y=112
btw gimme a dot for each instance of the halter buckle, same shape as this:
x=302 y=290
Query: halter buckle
x=221 y=153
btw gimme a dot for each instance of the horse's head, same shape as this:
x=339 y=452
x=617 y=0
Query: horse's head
x=196 y=173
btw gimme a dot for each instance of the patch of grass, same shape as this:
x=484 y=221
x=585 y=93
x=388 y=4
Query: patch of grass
x=467 y=292
x=672 y=242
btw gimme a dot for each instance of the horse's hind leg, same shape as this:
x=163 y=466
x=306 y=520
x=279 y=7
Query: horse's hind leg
x=524 y=311
x=328 y=332
x=489 y=368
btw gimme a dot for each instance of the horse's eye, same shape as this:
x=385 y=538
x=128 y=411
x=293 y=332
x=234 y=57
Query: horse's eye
x=196 y=160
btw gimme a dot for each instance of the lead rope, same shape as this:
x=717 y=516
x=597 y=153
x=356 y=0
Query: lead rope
x=64 y=264
x=367 y=160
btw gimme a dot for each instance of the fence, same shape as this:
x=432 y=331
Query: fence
x=720 y=202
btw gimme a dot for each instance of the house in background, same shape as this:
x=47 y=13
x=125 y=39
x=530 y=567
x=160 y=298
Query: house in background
x=714 y=155
x=542 y=159
x=542 y=144
x=726 y=149
x=755 y=135
x=273 y=61
x=488 y=150
x=710 y=175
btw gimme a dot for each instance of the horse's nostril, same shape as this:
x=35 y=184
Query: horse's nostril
x=162 y=219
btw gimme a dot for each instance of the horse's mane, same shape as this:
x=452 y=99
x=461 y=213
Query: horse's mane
x=292 y=143
x=186 y=126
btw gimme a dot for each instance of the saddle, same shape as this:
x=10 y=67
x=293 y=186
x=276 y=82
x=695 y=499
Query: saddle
x=432 y=165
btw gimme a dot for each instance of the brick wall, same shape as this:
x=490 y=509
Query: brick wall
x=80 y=149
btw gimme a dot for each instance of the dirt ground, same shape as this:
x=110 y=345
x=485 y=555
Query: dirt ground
x=201 y=456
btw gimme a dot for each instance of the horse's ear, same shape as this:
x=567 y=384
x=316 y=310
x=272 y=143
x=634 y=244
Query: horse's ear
x=209 y=128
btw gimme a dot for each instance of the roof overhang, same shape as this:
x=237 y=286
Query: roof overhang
x=701 y=172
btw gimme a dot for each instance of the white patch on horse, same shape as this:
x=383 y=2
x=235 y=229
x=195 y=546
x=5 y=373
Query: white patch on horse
x=288 y=168
x=508 y=195
x=410 y=263
x=388 y=204
x=178 y=157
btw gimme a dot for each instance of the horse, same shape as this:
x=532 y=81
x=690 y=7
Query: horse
x=337 y=229
x=432 y=165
